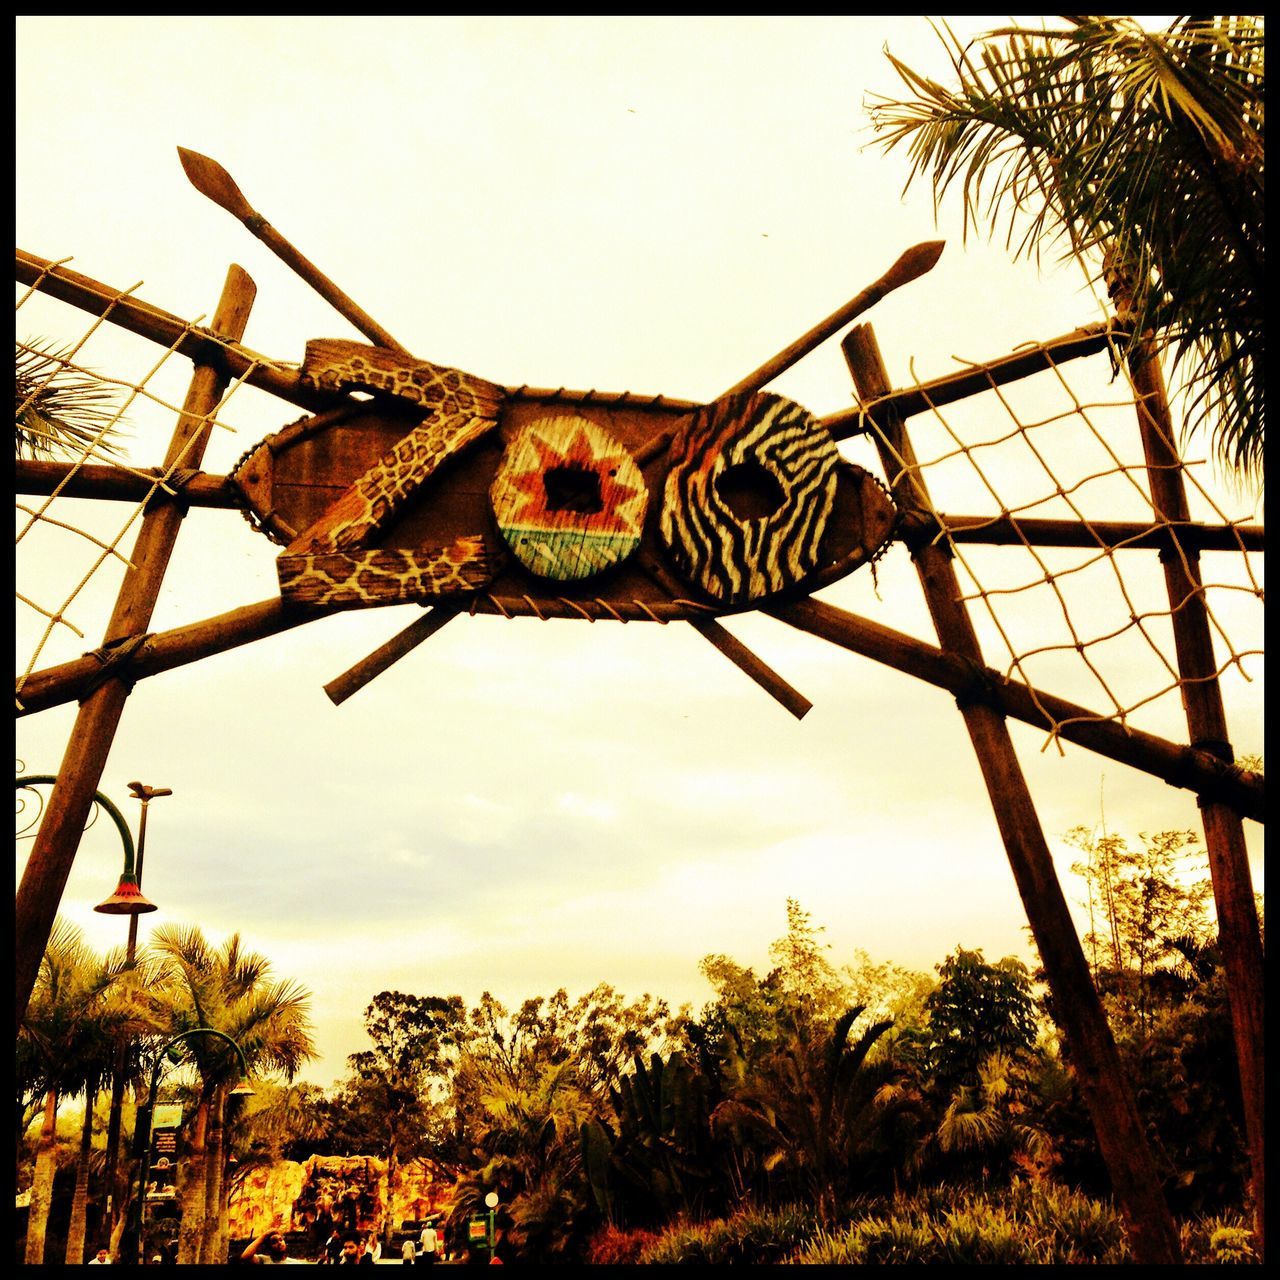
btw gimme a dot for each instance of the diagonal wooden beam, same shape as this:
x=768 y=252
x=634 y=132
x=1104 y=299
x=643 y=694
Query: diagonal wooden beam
x=53 y=853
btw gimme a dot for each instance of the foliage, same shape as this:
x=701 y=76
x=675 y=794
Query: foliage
x=977 y=1009
x=612 y=1246
x=60 y=410
x=1147 y=918
x=1142 y=151
x=1032 y=1223
x=754 y=1237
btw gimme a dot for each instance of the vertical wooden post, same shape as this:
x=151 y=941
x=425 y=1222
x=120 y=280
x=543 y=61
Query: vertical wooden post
x=1238 y=935
x=1152 y=1235
x=58 y=839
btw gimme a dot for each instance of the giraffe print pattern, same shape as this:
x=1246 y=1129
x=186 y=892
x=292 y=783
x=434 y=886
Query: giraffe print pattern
x=380 y=577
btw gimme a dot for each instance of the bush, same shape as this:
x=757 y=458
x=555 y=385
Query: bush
x=1028 y=1224
x=753 y=1236
x=1224 y=1238
x=612 y=1246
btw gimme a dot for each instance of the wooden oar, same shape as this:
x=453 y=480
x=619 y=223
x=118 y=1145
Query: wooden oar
x=212 y=180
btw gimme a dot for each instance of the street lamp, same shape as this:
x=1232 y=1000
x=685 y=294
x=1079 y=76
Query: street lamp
x=142 y=1133
x=127 y=900
x=491 y=1202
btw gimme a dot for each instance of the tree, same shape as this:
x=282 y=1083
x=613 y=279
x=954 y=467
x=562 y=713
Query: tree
x=229 y=990
x=65 y=1044
x=977 y=1009
x=1143 y=152
x=414 y=1039
x=1144 y=912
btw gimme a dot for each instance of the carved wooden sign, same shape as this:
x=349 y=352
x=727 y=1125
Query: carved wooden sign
x=442 y=485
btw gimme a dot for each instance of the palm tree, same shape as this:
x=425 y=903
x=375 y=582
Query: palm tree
x=81 y=1006
x=229 y=990
x=1142 y=151
x=58 y=409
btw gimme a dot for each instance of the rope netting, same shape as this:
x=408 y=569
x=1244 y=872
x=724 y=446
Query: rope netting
x=122 y=404
x=1052 y=450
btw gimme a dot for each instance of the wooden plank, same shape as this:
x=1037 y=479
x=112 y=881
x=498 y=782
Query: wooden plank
x=85 y=480
x=403 y=642
x=1077 y=1008
x=385 y=576
x=54 y=850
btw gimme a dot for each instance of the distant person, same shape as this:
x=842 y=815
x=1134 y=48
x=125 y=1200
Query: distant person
x=100 y=1259
x=408 y=1253
x=269 y=1247
x=430 y=1241
x=373 y=1246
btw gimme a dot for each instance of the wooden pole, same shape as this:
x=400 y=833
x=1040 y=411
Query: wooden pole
x=915 y=262
x=212 y=180
x=1179 y=766
x=165 y=329
x=403 y=642
x=1239 y=937
x=54 y=850
x=71 y=480
x=1135 y=1179
x=950 y=387
x=750 y=664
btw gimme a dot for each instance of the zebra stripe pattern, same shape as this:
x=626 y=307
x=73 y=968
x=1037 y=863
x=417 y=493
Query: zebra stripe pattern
x=735 y=559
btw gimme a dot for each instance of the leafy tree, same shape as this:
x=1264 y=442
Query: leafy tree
x=1142 y=151
x=1145 y=911
x=390 y=1089
x=81 y=1006
x=977 y=1009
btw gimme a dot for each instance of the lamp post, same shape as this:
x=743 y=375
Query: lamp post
x=127 y=900
x=491 y=1201
x=142 y=1133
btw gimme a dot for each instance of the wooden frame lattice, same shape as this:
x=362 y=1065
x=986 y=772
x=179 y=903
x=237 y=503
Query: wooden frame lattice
x=101 y=681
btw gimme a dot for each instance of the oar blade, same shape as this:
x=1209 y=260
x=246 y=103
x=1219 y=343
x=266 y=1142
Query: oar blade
x=212 y=180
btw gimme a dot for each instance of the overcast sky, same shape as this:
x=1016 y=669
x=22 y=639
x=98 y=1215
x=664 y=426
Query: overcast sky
x=645 y=204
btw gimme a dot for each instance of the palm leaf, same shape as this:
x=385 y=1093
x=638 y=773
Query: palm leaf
x=59 y=409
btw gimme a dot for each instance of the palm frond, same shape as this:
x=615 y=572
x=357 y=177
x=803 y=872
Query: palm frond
x=61 y=410
x=1146 y=147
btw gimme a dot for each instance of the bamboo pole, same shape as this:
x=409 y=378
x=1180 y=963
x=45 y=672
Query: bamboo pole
x=1134 y=1177
x=1238 y=934
x=56 y=842
x=1179 y=766
x=165 y=329
x=908 y=401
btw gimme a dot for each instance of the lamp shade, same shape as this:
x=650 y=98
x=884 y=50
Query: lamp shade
x=127 y=900
x=243 y=1090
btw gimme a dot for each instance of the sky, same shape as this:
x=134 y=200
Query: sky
x=646 y=204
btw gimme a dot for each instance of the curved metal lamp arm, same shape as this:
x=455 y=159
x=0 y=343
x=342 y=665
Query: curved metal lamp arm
x=126 y=837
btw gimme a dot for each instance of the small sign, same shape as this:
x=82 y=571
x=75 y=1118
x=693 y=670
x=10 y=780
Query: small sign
x=166 y=1142
x=478 y=1229
x=168 y=1115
